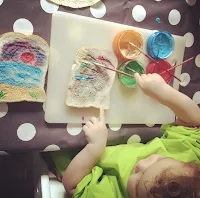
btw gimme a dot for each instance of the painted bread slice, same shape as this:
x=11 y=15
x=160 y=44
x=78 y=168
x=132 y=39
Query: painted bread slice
x=90 y=85
x=23 y=67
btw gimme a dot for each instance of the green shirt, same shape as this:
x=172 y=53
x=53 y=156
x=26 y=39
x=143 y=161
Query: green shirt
x=109 y=178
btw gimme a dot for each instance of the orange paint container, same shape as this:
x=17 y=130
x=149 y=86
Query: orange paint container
x=122 y=47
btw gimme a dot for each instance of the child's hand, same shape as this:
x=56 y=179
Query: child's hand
x=96 y=131
x=82 y=164
x=152 y=85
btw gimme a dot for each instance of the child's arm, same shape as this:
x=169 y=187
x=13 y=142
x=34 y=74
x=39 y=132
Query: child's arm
x=186 y=110
x=96 y=134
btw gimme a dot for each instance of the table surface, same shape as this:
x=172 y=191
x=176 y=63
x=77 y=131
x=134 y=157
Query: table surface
x=22 y=125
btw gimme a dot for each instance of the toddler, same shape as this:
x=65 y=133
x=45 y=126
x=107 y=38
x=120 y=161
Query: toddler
x=166 y=167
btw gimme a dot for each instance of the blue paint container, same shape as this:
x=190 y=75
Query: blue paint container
x=160 y=45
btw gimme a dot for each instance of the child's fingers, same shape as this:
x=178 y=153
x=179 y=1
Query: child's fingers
x=89 y=124
x=102 y=116
x=85 y=128
x=94 y=120
x=144 y=77
x=138 y=78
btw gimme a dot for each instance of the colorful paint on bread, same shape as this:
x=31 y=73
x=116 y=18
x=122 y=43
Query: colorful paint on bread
x=23 y=66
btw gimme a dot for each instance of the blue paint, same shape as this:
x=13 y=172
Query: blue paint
x=160 y=45
x=158 y=20
x=19 y=74
x=79 y=77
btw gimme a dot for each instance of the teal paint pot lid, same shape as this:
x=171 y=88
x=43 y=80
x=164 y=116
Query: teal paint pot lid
x=160 y=45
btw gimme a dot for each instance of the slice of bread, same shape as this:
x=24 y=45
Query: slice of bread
x=23 y=67
x=94 y=91
x=75 y=3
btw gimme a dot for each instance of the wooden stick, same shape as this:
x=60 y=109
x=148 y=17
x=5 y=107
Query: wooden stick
x=149 y=57
x=177 y=65
x=130 y=69
x=115 y=70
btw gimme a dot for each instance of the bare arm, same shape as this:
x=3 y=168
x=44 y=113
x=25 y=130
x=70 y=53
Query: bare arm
x=186 y=110
x=81 y=166
x=96 y=135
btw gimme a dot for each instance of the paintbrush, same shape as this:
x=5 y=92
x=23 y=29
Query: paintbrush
x=105 y=67
x=149 y=57
x=130 y=69
x=172 y=68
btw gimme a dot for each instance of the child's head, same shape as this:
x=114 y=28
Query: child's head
x=161 y=177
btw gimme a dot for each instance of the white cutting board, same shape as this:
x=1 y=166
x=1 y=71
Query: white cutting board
x=128 y=106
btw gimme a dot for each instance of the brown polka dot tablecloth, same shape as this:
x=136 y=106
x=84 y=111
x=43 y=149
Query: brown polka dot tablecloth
x=22 y=125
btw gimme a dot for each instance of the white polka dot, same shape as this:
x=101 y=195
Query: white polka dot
x=52 y=147
x=185 y=79
x=191 y=2
x=189 y=37
x=48 y=6
x=3 y=153
x=134 y=139
x=174 y=17
x=138 y=13
x=44 y=106
x=150 y=125
x=157 y=0
x=1 y=2
x=26 y=132
x=23 y=26
x=74 y=129
x=196 y=97
x=98 y=10
x=115 y=127
x=197 y=60
x=3 y=109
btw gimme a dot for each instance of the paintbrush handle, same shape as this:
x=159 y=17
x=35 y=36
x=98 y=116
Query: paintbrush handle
x=172 y=68
x=162 y=67
x=118 y=71
x=150 y=58
x=115 y=70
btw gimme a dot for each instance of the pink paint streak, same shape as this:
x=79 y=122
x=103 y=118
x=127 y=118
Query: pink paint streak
x=106 y=60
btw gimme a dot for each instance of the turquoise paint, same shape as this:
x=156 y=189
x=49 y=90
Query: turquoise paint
x=160 y=45
x=19 y=74
x=158 y=20
x=79 y=77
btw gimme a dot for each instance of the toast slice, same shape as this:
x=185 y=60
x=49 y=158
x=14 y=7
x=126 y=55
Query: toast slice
x=23 y=67
x=90 y=85
x=75 y=3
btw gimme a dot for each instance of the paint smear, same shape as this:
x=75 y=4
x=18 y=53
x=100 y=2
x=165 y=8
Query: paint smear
x=158 y=20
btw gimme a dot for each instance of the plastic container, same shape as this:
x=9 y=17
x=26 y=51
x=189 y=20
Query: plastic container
x=123 y=49
x=130 y=67
x=153 y=68
x=160 y=45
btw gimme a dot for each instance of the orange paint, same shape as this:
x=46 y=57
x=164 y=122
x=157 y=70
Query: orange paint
x=123 y=49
